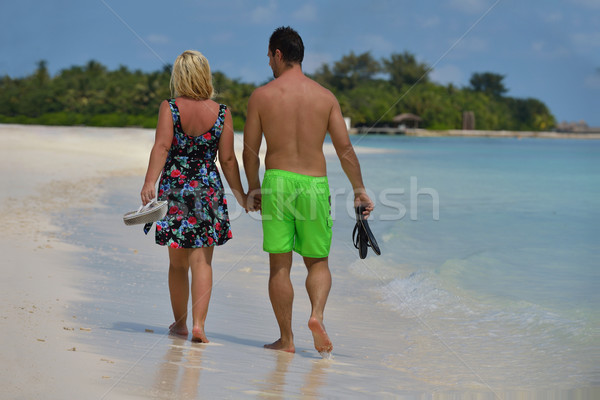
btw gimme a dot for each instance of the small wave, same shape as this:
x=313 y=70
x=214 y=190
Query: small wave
x=422 y=294
x=418 y=295
x=530 y=346
x=377 y=268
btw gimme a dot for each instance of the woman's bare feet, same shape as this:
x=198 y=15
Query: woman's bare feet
x=198 y=335
x=322 y=342
x=175 y=330
x=280 y=345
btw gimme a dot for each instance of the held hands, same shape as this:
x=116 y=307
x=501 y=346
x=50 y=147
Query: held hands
x=253 y=201
x=249 y=201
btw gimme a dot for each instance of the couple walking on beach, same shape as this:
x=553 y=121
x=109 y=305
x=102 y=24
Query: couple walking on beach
x=294 y=113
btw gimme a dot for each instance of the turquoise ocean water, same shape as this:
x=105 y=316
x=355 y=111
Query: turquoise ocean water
x=493 y=245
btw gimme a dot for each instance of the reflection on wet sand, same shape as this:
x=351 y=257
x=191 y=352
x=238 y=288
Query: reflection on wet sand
x=178 y=376
x=274 y=383
x=315 y=378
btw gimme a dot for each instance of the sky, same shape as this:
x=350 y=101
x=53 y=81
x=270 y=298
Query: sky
x=546 y=49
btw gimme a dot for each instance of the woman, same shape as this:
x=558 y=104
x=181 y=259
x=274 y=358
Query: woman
x=192 y=129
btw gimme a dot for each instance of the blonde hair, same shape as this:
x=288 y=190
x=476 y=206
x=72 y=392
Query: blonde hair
x=191 y=76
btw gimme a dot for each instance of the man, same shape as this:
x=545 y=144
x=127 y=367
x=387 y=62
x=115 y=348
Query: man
x=294 y=113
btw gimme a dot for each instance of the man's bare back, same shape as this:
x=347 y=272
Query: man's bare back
x=294 y=114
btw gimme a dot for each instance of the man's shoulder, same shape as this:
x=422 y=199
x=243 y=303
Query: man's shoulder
x=264 y=90
x=276 y=87
x=316 y=87
x=258 y=94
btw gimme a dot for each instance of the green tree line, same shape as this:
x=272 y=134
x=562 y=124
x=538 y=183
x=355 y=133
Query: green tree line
x=373 y=91
x=370 y=92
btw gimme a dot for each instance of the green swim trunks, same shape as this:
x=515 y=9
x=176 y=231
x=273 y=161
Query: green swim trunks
x=296 y=213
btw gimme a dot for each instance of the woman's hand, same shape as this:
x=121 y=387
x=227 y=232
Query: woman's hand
x=147 y=193
x=253 y=200
x=242 y=199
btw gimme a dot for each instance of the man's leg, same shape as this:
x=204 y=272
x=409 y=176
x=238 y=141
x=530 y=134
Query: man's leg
x=318 y=284
x=281 y=293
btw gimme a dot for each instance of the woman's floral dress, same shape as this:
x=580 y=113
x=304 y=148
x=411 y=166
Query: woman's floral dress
x=191 y=183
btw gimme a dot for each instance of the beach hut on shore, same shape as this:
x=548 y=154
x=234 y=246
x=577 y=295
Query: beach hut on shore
x=407 y=120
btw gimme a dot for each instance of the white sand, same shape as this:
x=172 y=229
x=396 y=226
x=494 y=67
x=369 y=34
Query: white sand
x=46 y=170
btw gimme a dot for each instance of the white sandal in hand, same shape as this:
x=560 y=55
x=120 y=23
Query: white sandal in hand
x=149 y=213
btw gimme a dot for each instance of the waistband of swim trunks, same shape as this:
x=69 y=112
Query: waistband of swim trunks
x=295 y=176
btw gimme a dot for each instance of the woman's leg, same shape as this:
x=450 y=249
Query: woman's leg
x=179 y=288
x=200 y=262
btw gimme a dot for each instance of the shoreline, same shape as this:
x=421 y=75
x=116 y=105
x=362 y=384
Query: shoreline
x=501 y=134
x=481 y=133
x=352 y=131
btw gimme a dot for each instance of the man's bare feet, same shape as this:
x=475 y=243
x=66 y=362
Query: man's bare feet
x=198 y=335
x=280 y=345
x=322 y=342
x=175 y=330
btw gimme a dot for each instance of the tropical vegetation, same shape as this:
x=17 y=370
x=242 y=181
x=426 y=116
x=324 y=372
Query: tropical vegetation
x=370 y=92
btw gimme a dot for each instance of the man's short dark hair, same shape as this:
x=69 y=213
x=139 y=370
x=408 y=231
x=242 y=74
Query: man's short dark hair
x=289 y=43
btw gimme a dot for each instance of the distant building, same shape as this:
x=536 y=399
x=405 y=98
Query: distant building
x=468 y=120
x=407 y=120
x=576 y=127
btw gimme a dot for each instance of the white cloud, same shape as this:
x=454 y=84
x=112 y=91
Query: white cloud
x=587 y=3
x=586 y=41
x=447 y=74
x=264 y=13
x=473 y=44
x=542 y=48
x=429 y=22
x=551 y=17
x=224 y=36
x=307 y=13
x=248 y=74
x=538 y=46
x=376 y=43
x=157 y=39
x=593 y=81
x=245 y=73
x=470 y=6
x=313 y=61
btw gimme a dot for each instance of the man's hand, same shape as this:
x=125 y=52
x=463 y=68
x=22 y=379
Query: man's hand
x=362 y=199
x=253 y=202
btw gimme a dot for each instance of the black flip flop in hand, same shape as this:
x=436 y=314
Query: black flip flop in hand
x=362 y=235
